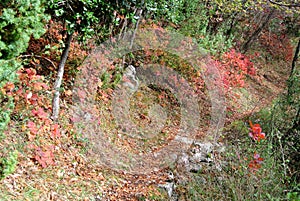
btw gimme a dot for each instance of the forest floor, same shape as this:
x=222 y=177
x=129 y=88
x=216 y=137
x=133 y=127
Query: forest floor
x=75 y=176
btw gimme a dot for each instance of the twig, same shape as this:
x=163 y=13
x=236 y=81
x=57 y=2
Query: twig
x=37 y=56
x=4 y=77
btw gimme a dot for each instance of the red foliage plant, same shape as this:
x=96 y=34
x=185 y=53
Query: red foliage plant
x=234 y=67
x=255 y=163
x=257 y=135
x=256 y=132
x=29 y=96
x=44 y=157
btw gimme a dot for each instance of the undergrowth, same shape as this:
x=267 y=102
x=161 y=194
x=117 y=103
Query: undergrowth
x=252 y=169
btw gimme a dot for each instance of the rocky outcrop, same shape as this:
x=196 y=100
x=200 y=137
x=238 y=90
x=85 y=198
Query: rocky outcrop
x=200 y=157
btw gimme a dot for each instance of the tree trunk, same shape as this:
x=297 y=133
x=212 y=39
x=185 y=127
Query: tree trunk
x=136 y=27
x=295 y=58
x=234 y=20
x=296 y=123
x=290 y=80
x=257 y=32
x=58 y=81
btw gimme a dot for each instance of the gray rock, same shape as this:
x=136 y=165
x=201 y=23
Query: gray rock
x=201 y=152
x=131 y=81
x=199 y=155
x=169 y=187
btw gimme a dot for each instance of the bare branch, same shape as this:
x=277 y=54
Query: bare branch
x=285 y=5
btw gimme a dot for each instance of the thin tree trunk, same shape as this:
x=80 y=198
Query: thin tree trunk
x=58 y=81
x=257 y=32
x=136 y=27
x=290 y=81
x=121 y=35
x=233 y=20
x=296 y=124
x=295 y=58
x=112 y=25
x=123 y=29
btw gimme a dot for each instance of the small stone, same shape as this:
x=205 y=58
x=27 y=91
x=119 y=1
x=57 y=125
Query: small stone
x=169 y=187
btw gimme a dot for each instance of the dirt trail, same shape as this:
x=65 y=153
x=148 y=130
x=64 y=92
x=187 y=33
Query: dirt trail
x=260 y=91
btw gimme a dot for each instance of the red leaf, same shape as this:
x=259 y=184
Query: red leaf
x=40 y=113
x=256 y=132
x=55 y=133
x=44 y=158
x=32 y=127
x=31 y=72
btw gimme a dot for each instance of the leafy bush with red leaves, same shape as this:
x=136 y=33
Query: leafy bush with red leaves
x=257 y=135
x=234 y=67
x=256 y=132
x=34 y=104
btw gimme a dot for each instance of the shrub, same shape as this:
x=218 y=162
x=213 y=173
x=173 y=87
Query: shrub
x=8 y=164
